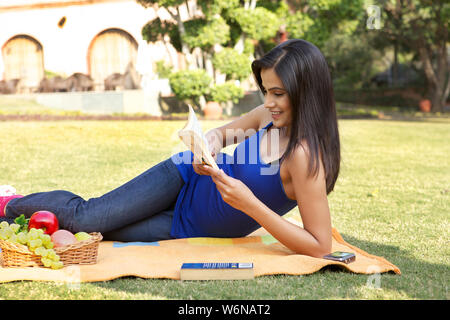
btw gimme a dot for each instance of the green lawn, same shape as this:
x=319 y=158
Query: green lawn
x=392 y=199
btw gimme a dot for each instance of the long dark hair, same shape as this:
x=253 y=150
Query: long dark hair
x=304 y=73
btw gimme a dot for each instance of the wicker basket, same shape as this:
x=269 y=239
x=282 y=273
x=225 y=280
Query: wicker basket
x=82 y=252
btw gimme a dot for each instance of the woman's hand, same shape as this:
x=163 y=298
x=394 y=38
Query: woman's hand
x=200 y=168
x=214 y=145
x=233 y=191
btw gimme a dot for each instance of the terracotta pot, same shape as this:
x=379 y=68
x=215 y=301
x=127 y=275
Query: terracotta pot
x=425 y=105
x=212 y=110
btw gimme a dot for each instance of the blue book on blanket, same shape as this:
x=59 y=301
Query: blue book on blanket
x=217 y=271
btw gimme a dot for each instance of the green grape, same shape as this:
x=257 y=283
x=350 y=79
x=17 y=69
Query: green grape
x=12 y=238
x=22 y=237
x=46 y=253
x=33 y=234
x=49 y=245
x=4 y=224
x=33 y=244
x=46 y=262
x=40 y=232
x=46 y=239
x=57 y=265
x=40 y=251
x=51 y=254
x=14 y=227
x=3 y=235
x=8 y=232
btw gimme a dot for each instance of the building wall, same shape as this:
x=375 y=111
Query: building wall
x=65 y=49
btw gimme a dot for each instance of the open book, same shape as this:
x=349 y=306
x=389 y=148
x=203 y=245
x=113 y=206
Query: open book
x=193 y=137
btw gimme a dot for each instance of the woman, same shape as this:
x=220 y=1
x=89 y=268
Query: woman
x=264 y=179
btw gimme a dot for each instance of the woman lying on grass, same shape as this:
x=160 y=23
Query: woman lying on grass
x=288 y=155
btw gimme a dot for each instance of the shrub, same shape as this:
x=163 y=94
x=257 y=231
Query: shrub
x=163 y=70
x=232 y=63
x=205 y=34
x=259 y=24
x=190 y=85
x=226 y=92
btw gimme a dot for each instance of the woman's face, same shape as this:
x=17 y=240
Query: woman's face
x=276 y=99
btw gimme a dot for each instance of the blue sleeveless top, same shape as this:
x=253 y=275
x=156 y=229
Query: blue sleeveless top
x=200 y=210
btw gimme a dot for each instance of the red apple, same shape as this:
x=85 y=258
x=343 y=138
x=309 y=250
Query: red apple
x=63 y=238
x=45 y=220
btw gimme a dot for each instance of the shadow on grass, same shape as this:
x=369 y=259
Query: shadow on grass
x=419 y=279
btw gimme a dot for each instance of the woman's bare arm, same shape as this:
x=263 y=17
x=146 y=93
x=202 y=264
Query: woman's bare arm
x=314 y=239
x=238 y=130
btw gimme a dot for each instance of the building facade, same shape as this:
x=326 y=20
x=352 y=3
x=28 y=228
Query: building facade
x=93 y=37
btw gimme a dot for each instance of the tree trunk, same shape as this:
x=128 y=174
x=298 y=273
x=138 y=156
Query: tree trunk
x=443 y=75
x=446 y=92
x=166 y=43
x=248 y=5
x=395 y=65
x=436 y=100
x=184 y=47
x=440 y=90
x=436 y=79
x=172 y=64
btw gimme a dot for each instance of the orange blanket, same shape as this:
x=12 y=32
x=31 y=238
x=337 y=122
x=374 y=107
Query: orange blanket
x=163 y=259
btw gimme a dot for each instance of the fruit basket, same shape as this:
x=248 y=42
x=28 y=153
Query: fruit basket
x=82 y=252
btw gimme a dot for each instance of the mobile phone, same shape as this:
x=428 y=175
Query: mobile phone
x=345 y=257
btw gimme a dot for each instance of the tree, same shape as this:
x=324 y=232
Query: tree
x=219 y=38
x=422 y=27
x=162 y=28
x=316 y=20
x=190 y=85
x=226 y=35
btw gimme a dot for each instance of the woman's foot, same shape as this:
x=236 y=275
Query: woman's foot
x=6 y=195
x=7 y=190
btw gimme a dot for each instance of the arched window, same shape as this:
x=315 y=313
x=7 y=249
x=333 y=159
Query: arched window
x=110 y=52
x=23 y=59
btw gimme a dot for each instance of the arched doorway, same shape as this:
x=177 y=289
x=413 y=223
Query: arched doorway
x=110 y=52
x=23 y=59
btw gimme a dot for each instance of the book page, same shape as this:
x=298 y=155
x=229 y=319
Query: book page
x=193 y=137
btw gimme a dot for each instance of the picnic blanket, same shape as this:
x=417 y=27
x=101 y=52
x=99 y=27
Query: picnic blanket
x=163 y=259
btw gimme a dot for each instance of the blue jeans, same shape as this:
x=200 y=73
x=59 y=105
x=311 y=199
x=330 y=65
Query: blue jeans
x=139 y=210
